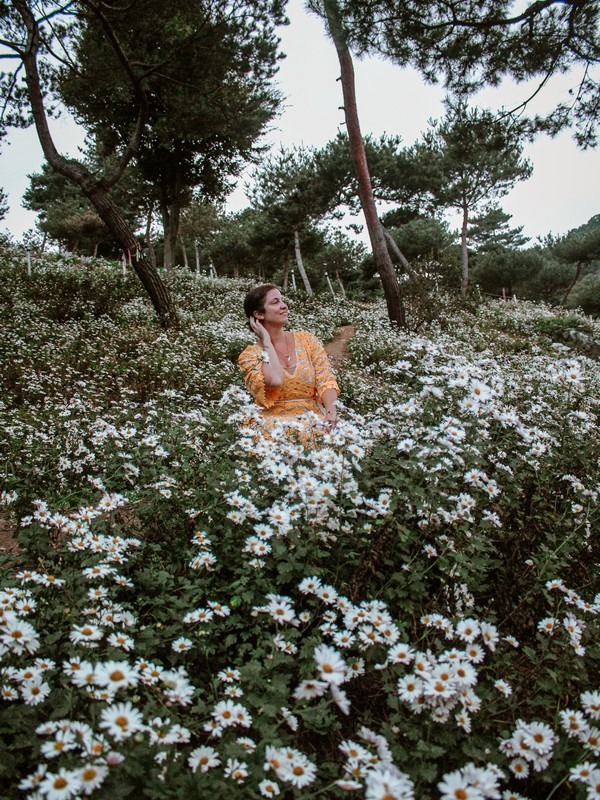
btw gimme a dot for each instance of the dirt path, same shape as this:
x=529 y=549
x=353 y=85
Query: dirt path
x=7 y=543
x=336 y=348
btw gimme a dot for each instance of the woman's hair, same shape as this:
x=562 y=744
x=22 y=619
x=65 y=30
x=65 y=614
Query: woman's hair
x=255 y=299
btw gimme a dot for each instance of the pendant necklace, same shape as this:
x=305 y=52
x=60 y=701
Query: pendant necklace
x=286 y=356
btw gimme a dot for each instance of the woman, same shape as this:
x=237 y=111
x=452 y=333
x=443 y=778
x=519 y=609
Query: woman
x=287 y=372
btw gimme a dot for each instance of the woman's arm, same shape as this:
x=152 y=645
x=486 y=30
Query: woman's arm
x=271 y=369
x=328 y=399
x=326 y=384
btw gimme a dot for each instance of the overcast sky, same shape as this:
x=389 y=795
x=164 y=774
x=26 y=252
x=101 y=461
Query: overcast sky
x=562 y=193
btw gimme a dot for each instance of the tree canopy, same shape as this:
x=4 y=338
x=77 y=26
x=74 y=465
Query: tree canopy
x=469 y=44
x=124 y=70
x=208 y=69
x=66 y=216
x=579 y=250
x=491 y=232
x=472 y=157
x=3 y=203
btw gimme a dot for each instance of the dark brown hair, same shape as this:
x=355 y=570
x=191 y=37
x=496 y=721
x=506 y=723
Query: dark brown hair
x=255 y=299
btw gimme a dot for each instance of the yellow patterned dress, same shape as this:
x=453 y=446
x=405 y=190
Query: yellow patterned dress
x=302 y=389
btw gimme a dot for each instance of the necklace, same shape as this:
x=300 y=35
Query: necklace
x=287 y=355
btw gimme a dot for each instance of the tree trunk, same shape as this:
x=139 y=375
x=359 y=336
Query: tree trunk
x=148 y=237
x=393 y=246
x=383 y=262
x=170 y=209
x=170 y=226
x=464 y=283
x=92 y=188
x=572 y=284
x=300 y=263
x=186 y=263
x=151 y=281
x=197 y=255
x=286 y=275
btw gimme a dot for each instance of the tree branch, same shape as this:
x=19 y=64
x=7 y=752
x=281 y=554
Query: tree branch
x=8 y=97
x=61 y=60
x=55 y=13
x=528 y=14
x=116 y=45
x=136 y=136
x=522 y=106
x=70 y=169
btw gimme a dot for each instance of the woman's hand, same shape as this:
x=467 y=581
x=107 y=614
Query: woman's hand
x=272 y=370
x=331 y=417
x=260 y=330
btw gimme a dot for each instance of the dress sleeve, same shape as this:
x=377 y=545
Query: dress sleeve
x=250 y=362
x=325 y=377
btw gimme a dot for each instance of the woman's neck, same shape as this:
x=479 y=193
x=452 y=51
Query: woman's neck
x=276 y=332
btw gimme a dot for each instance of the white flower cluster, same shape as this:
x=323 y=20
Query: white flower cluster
x=572 y=598
x=567 y=371
x=578 y=725
x=313 y=484
x=529 y=747
x=290 y=765
x=573 y=625
x=204 y=614
x=440 y=684
x=444 y=682
x=588 y=774
x=119 y=721
x=472 y=783
x=205 y=559
x=466 y=396
x=371 y=764
x=74 y=738
x=8 y=497
x=28 y=683
x=16 y=634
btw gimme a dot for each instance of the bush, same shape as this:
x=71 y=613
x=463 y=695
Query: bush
x=586 y=294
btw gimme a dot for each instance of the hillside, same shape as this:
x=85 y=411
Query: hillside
x=408 y=610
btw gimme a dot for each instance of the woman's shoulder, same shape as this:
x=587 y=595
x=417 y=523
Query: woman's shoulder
x=304 y=335
x=307 y=337
x=250 y=351
x=251 y=347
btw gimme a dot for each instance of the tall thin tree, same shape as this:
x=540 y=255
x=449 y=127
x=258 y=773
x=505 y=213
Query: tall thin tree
x=383 y=261
x=476 y=157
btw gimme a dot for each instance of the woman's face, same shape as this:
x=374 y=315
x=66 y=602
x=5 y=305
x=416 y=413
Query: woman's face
x=275 y=311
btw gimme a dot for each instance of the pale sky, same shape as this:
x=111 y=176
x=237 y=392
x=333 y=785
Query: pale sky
x=561 y=194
